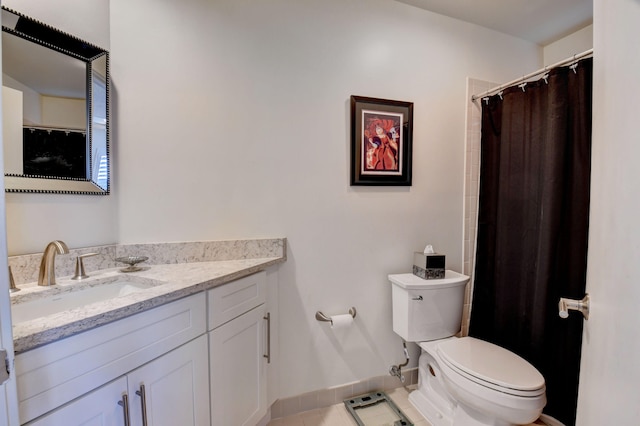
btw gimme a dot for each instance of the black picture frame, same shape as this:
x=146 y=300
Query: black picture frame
x=381 y=141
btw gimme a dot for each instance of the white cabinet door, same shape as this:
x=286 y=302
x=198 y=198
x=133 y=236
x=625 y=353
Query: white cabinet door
x=98 y=408
x=174 y=388
x=273 y=367
x=237 y=367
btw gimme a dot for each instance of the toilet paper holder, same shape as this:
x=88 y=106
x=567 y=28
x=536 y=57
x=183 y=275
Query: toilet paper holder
x=322 y=317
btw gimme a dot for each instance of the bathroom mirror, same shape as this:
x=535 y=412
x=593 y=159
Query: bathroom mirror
x=55 y=99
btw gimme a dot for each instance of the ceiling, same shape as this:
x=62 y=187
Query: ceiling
x=539 y=21
x=42 y=69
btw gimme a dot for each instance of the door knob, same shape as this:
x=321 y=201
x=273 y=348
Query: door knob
x=565 y=305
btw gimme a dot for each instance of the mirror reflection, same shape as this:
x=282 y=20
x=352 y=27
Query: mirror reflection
x=55 y=110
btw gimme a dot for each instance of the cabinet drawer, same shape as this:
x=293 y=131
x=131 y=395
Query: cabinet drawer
x=54 y=374
x=98 y=404
x=231 y=300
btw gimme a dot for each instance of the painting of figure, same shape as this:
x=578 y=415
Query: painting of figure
x=381 y=142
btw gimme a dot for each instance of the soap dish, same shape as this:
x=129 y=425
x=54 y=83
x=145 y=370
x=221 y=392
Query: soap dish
x=131 y=261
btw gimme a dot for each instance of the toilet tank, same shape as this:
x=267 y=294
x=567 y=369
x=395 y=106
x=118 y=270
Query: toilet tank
x=427 y=309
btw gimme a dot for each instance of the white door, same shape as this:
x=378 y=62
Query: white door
x=610 y=367
x=238 y=373
x=174 y=388
x=8 y=393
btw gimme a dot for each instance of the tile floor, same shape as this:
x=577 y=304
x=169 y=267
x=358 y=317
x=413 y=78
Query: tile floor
x=337 y=415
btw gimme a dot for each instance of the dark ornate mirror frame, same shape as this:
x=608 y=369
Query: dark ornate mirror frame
x=51 y=38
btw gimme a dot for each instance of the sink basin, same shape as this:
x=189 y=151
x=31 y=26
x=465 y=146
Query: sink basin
x=63 y=299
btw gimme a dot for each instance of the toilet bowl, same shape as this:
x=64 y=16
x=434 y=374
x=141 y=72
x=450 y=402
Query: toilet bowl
x=485 y=384
x=462 y=381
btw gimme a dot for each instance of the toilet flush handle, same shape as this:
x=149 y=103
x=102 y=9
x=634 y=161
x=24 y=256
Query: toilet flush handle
x=565 y=305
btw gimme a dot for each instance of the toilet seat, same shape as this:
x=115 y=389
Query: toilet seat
x=491 y=366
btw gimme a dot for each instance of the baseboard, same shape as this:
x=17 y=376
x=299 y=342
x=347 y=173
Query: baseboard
x=266 y=419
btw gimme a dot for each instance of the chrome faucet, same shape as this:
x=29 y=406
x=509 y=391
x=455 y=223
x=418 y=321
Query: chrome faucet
x=47 y=275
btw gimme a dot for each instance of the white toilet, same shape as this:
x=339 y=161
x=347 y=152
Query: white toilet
x=462 y=381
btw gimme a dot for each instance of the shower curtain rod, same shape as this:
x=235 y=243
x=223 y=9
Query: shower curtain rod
x=62 y=129
x=574 y=58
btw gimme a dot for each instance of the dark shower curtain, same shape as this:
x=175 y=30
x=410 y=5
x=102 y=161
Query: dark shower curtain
x=533 y=224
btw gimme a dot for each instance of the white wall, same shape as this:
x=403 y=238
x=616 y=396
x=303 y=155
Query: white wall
x=80 y=220
x=610 y=371
x=64 y=112
x=12 y=130
x=573 y=44
x=233 y=121
x=31 y=108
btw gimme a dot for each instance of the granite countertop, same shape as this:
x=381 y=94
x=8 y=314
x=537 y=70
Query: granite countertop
x=170 y=282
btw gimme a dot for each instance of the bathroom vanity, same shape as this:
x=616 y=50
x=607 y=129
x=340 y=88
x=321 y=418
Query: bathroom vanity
x=195 y=346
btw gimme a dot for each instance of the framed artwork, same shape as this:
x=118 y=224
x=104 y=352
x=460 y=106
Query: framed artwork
x=381 y=141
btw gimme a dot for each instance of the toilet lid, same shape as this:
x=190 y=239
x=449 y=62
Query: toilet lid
x=491 y=365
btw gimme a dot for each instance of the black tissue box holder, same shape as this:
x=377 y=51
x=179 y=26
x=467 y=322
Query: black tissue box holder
x=428 y=266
